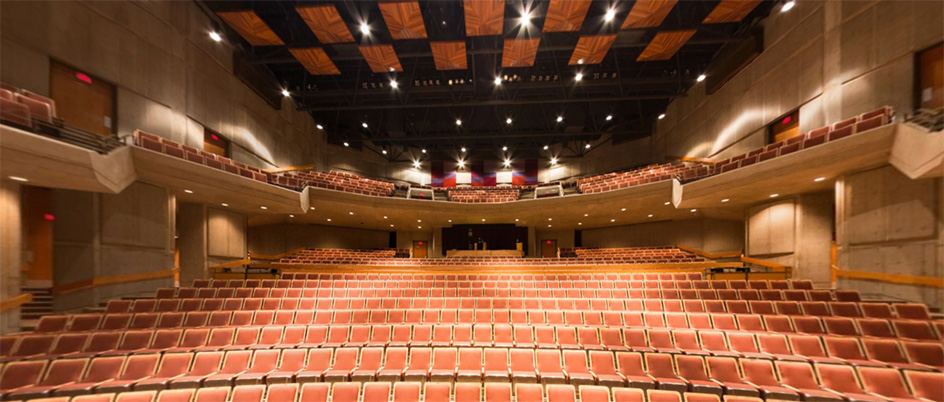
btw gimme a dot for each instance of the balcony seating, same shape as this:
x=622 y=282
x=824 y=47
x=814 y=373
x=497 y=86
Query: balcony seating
x=479 y=195
x=639 y=176
x=165 y=146
x=339 y=181
x=21 y=107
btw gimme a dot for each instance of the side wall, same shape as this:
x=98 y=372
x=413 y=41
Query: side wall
x=710 y=235
x=10 y=255
x=281 y=237
x=796 y=231
x=171 y=78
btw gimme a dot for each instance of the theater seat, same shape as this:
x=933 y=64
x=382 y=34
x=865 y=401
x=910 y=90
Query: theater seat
x=926 y=385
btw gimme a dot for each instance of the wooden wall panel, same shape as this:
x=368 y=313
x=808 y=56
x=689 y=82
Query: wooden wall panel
x=404 y=19
x=565 y=15
x=731 y=11
x=648 y=13
x=252 y=28
x=591 y=49
x=520 y=52
x=315 y=60
x=665 y=44
x=449 y=55
x=325 y=22
x=381 y=58
x=484 y=17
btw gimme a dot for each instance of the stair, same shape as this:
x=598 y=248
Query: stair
x=40 y=305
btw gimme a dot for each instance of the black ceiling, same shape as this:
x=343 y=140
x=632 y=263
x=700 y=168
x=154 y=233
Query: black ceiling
x=422 y=111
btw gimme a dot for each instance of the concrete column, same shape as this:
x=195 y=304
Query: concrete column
x=532 y=242
x=192 y=241
x=436 y=244
x=10 y=252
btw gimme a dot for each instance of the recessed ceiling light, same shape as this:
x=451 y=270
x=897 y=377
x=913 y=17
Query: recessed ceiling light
x=224 y=204
x=819 y=179
x=385 y=216
x=463 y=149
x=320 y=127
x=346 y=144
x=578 y=77
x=365 y=28
x=787 y=6
x=423 y=150
x=394 y=84
x=548 y=225
x=526 y=19
x=610 y=14
x=725 y=200
x=612 y=220
x=661 y=116
x=391 y=225
x=312 y=208
x=516 y=219
x=384 y=151
x=667 y=203
x=553 y=161
x=329 y=219
x=505 y=148
x=623 y=209
x=419 y=227
x=458 y=122
x=508 y=120
x=650 y=215
x=483 y=219
x=450 y=221
x=609 y=117
x=364 y=125
x=693 y=210
x=774 y=195
x=560 y=119
x=216 y=37
x=586 y=215
x=391 y=69
x=291 y=216
x=579 y=223
x=579 y=61
x=545 y=147
x=550 y=219
x=498 y=80
x=700 y=78
x=350 y=213
x=188 y=191
x=19 y=179
x=587 y=146
x=419 y=221
x=263 y=207
x=285 y=92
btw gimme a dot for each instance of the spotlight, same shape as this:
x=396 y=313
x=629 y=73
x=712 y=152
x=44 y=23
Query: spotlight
x=609 y=117
x=320 y=127
x=394 y=85
x=507 y=162
x=610 y=14
x=461 y=163
x=458 y=122
x=285 y=92
x=587 y=146
x=580 y=61
x=578 y=77
x=553 y=161
x=365 y=29
x=700 y=78
x=463 y=149
x=416 y=164
x=498 y=80
x=216 y=37
x=508 y=120
x=545 y=147
x=560 y=119
x=263 y=207
x=364 y=125
x=526 y=19
x=423 y=150
x=384 y=151
x=504 y=148
x=661 y=116
x=346 y=144
x=787 y=6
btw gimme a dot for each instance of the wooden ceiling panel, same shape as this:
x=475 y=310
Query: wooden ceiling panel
x=731 y=11
x=520 y=52
x=565 y=15
x=648 y=13
x=591 y=49
x=381 y=58
x=449 y=55
x=325 y=22
x=665 y=44
x=315 y=60
x=404 y=19
x=484 y=17
x=252 y=28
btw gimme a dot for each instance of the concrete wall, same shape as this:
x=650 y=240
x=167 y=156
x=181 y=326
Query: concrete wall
x=830 y=59
x=887 y=223
x=104 y=235
x=171 y=78
x=11 y=235
x=565 y=239
x=796 y=231
x=710 y=235
x=282 y=237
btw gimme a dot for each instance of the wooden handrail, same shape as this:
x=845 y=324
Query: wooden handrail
x=231 y=264
x=713 y=256
x=16 y=301
x=289 y=169
x=112 y=280
x=276 y=256
x=691 y=159
x=654 y=268
x=926 y=281
x=763 y=263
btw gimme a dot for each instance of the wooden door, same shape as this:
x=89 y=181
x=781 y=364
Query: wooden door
x=419 y=249
x=549 y=248
x=82 y=101
x=38 y=221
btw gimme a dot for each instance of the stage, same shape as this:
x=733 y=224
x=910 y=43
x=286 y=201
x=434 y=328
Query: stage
x=485 y=253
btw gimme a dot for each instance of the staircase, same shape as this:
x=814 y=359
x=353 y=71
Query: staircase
x=40 y=305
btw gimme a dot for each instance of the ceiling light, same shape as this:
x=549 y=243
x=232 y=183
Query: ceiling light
x=693 y=209
x=579 y=223
x=216 y=37
x=550 y=219
x=610 y=14
x=312 y=208
x=285 y=92
x=450 y=221
x=507 y=162
x=508 y=120
x=725 y=200
x=661 y=116
x=667 y=203
x=461 y=163
x=188 y=191
x=560 y=119
x=516 y=219
x=384 y=151
x=587 y=146
x=774 y=195
x=585 y=215
x=526 y=19
x=419 y=221
x=319 y=127
x=329 y=219
x=504 y=148
x=819 y=179
x=458 y=122
x=579 y=61
x=385 y=217
x=364 y=125
x=483 y=219
x=291 y=216
x=498 y=80
x=650 y=215
x=365 y=29
x=609 y=117
x=224 y=204
x=553 y=161
x=578 y=77
x=423 y=150
x=19 y=179
x=419 y=227
x=263 y=207
x=545 y=147
x=416 y=164
x=350 y=213
x=393 y=84
x=623 y=209
x=700 y=78
x=463 y=149
x=346 y=144
x=391 y=69
x=391 y=225
x=787 y=6
x=612 y=220
x=548 y=225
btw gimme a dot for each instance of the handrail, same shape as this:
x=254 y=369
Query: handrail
x=15 y=301
x=112 y=280
x=691 y=159
x=927 y=281
x=289 y=169
x=231 y=264
x=276 y=256
x=713 y=256
x=612 y=268
x=763 y=263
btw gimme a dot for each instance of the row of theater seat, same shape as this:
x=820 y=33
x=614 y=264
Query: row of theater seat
x=172 y=148
x=339 y=181
x=478 y=195
x=636 y=276
x=491 y=262
x=682 y=283
x=745 y=342
x=21 y=106
x=717 y=375
x=635 y=177
x=619 y=251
